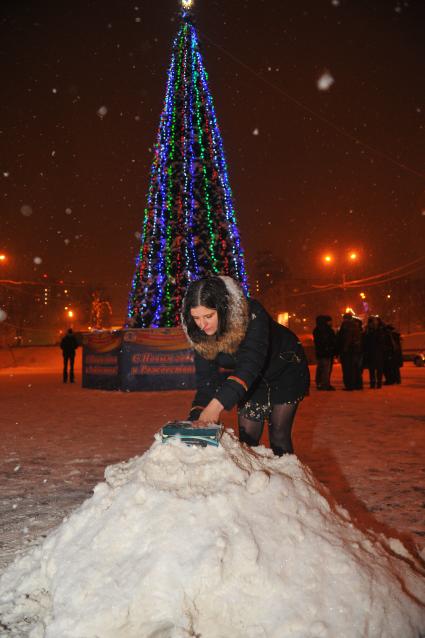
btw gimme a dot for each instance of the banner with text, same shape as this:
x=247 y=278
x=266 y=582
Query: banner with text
x=101 y=360
x=156 y=359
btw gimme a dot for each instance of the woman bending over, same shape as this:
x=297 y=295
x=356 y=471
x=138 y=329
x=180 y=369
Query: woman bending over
x=266 y=367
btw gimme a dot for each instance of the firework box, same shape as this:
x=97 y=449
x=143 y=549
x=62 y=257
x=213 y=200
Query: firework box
x=192 y=435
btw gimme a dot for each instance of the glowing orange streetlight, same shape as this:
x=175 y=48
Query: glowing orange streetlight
x=340 y=262
x=3 y=258
x=352 y=256
x=70 y=314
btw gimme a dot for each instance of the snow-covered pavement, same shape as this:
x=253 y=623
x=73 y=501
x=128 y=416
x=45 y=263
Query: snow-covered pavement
x=56 y=441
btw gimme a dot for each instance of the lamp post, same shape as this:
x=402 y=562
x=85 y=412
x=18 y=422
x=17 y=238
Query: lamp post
x=340 y=262
x=4 y=259
x=350 y=257
x=70 y=315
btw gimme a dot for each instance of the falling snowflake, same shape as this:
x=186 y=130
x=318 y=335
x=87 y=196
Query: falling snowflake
x=3 y=315
x=68 y=211
x=256 y=131
x=325 y=81
x=26 y=210
x=6 y=174
x=37 y=260
x=66 y=241
x=137 y=235
x=102 y=111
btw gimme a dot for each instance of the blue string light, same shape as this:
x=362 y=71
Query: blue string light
x=189 y=186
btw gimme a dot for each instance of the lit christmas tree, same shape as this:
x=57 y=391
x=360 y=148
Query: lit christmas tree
x=189 y=229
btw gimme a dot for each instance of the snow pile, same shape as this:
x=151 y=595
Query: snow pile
x=214 y=542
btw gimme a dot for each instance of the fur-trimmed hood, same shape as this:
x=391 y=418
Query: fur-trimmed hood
x=237 y=324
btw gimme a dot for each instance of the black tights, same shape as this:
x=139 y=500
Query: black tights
x=280 y=428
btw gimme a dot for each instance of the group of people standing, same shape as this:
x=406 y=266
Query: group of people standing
x=377 y=348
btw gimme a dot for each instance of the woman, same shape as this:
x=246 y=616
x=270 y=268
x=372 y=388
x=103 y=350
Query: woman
x=269 y=372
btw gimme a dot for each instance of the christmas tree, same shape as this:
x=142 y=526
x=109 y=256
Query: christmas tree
x=189 y=229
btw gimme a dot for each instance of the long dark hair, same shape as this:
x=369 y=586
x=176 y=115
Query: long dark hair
x=210 y=292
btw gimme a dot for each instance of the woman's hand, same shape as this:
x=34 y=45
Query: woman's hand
x=211 y=414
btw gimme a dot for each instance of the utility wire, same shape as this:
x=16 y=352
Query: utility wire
x=383 y=281
x=393 y=270
x=355 y=284
x=319 y=116
x=380 y=275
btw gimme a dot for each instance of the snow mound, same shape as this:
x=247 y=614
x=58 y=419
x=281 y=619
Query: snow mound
x=210 y=542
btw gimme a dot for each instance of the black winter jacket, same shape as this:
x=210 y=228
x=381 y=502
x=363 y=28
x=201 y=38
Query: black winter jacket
x=324 y=338
x=268 y=366
x=373 y=348
x=69 y=344
x=349 y=339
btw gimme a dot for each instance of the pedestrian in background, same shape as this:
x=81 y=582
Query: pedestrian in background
x=324 y=344
x=350 y=351
x=373 y=346
x=69 y=344
x=393 y=356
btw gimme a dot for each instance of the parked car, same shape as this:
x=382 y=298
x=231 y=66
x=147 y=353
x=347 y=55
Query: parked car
x=417 y=356
x=419 y=359
x=413 y=347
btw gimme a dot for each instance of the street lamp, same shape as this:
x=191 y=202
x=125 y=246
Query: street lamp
x=351 y=257
x=339 y=261
x=3 y=258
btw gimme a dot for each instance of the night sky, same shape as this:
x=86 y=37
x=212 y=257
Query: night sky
x=311 y=168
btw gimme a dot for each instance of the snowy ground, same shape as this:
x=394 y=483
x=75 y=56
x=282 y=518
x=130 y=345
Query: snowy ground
x=56 y=441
